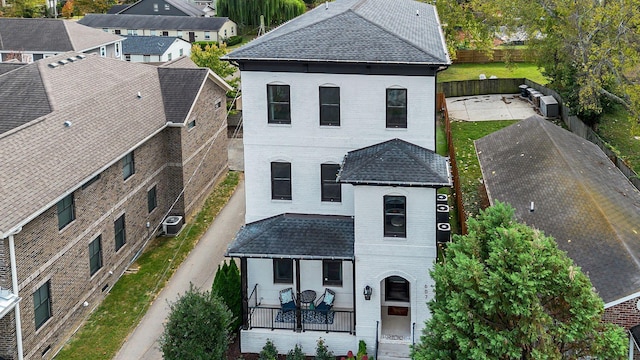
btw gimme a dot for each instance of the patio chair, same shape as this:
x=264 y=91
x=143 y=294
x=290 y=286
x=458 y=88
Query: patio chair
x=287 y=300
x=325 y=302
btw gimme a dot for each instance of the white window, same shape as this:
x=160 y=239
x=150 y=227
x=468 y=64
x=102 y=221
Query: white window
x=167 y=7
x=181 y=52
x=169 y=57
x=133 y=32
x=103 y=51
x=155 y=7
x=105 y=29
x=207 y=35
x=153 y=33
x=180 y=34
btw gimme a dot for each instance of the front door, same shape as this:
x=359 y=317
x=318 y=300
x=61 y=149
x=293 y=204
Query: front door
x=396 y=310
x=192 y=36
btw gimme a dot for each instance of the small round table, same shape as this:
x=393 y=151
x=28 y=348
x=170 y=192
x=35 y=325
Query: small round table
x=307 y=298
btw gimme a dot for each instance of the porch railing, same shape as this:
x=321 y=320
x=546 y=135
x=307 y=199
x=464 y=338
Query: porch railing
x=263 y=317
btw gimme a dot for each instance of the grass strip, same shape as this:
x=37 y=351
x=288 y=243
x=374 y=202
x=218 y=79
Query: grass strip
x=460 y=72
x=104 y=332
x=463 y=134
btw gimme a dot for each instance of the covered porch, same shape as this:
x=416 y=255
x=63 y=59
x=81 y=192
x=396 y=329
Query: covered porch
x=298 y=276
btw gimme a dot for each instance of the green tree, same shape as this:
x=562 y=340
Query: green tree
x=505 y=291
x=198 y=327
x=210 y=58
x=247 y=12
x=227 y=285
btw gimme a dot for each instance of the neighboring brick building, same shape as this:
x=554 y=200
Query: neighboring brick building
x=95 y=153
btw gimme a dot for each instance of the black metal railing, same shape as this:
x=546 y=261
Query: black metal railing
x=377 y=326
x=253 y=298
x=263 y=317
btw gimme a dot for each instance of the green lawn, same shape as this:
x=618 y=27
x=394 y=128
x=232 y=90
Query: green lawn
x=617 y=129
x=104 y=332
x=459 y=72
x=464 y=133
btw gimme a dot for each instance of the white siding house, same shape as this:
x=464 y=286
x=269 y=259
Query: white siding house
x=340 y=177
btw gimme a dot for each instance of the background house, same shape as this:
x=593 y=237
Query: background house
x=154 y=49
x=185 y=27
x=163 y=7
x=28 y=40
x=341 y=177
x=579 y=197
x=97 y=152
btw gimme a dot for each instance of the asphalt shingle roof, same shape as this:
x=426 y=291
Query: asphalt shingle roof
x=395 y=162
x=296 y=236
x=580 y=198
x=46 y=159
x=65 y=35
x=186 y=7
x=23 y=97
x=371 y=31
x=185 y=23
x=179 y=90
x=147 y=45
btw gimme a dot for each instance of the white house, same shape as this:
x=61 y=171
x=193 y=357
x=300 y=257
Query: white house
x=341 y=177
x=155 y=48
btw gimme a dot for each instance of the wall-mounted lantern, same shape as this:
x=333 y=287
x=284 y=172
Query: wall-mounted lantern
x=367 y=292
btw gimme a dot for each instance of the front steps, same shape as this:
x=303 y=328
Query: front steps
x=390 y=351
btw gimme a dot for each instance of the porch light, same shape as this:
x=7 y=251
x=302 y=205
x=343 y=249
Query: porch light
x=367 y=292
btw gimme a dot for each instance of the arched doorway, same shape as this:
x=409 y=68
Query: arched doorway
x=395 y=307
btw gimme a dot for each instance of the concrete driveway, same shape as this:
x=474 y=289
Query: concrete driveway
x=199 y=268
x=489 y=107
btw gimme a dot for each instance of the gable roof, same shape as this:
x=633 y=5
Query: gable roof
x=124 y=21
x=179 y=90
x=181 y=5
x=580 y=198
x=148 y=45
x=299 y=236
x=370 y=31
x=117 y=8
x=27 y=35
x=395 y=162
x=98 y=96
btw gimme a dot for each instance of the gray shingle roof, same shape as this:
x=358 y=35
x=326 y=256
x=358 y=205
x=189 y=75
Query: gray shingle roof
x=117 y=8
x=187 y=8
x=395 y=162
x=296 y=236
x=26 y=35
x=148 y=45
x=10 y=66
x=372 y=31
x=46 y=159
x=580 y=198
x=23 y=97
x=185 y=23
x=179 y=90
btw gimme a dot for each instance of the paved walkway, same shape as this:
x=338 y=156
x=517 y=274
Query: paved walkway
x=489 y=107
x=199 y=268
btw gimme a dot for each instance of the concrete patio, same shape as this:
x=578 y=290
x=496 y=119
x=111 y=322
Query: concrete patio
x=489 y=107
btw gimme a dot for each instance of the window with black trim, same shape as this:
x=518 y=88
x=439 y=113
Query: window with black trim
x=152 y=201
x=396 y=108
x=332 y=272
x=329 y=106
x=396 y=289
x=281 y=181
x=128 y=166
x=95 y=255
x=331 y=190
x=42 y=304
x=66 y=211
x=120 y=233
x=394 y=216
x=191 y=124
x=283 y=271
x=278 y=98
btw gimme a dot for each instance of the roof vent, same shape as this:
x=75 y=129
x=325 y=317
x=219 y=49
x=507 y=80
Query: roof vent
x=63 y=62
x=71 y=59
x=139 y=95
x=67 y=123
x=326 y=5
x=53 y=65
x=417 y=12
x=80 y=56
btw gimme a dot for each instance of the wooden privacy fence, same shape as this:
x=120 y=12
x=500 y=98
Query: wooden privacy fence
x=480 y=87
x=457 y=192
x=502 y=55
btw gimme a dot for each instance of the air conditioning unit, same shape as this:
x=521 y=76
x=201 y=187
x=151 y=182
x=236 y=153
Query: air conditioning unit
x=549 y=106
x=442 y=199
x=443 y=233
x=172 y=225
x=442 y=213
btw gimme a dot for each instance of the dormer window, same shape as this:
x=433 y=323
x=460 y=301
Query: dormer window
x=395 y=224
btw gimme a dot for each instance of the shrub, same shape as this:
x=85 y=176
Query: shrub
x=204 y=44
x=269 y=351
x=296 y=354
x=322 y=352
x=197 y=327
x=227 y=285
x=234 y=40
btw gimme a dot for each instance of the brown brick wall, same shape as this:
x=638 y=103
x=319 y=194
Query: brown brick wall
x=61 y=257
x=625 y=314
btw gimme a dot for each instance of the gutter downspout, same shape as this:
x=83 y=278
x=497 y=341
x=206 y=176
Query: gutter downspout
x=14 y=280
